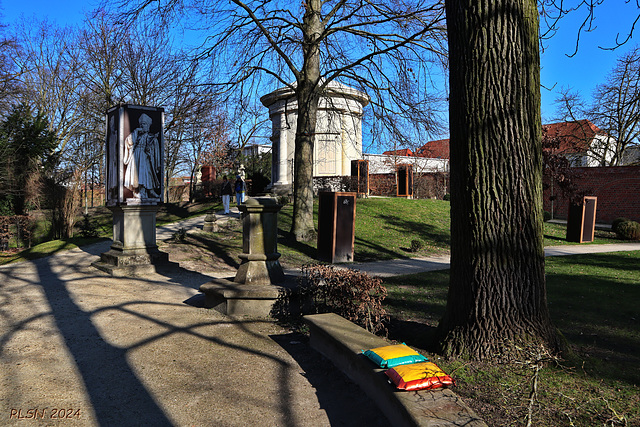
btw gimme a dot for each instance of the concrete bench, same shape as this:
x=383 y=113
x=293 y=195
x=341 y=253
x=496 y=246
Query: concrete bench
x=342 y=341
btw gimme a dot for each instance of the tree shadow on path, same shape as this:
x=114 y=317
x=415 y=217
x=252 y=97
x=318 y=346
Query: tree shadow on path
x=111 y=395
x=344 y=402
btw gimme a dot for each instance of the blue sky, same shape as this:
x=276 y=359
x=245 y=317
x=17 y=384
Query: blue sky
x=582 y=72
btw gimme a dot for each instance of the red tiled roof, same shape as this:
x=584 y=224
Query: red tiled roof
x=572 y=137
x=402 y=152
x=435 y=149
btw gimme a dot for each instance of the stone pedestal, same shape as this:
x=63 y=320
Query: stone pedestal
x=210 y=224
x=134 y=251
x=260 y=277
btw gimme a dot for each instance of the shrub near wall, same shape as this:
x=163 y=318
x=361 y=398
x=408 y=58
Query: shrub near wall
x=616 y=187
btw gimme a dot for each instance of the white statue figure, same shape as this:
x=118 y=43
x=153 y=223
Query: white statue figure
x=141 y=159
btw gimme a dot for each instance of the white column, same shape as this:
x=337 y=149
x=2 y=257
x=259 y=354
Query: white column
x=282 y=151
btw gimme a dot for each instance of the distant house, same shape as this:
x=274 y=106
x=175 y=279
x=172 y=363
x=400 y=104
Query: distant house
x=581 y=142
x=431 y=157
x=435 y=149
x=252 y=150
x=388 y=163
x=432 y=150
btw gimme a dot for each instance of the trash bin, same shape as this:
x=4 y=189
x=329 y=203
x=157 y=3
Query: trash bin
x=336 y=226
x=581 y=221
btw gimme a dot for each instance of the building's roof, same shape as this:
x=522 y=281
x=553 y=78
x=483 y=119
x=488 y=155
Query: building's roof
x=572 y=137
x=402 y=152
x=435 y=149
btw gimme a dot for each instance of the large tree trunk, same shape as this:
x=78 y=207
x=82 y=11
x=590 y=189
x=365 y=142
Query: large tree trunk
x=497 y=293
x=307 y=93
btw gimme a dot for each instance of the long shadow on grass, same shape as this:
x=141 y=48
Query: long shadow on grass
x=600 y=316
x=415 y=229
x=417 y=302
x=593 y=300
x=419 y=229
x=219 y=250
x=619 y=261
x=415 y=334
x=377 y=253
x=177 y=210
x=286 y=238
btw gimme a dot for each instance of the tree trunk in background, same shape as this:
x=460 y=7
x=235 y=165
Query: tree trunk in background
x=497 y=293
x=307 y=95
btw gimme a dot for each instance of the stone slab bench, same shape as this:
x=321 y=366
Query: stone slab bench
x=342 y=341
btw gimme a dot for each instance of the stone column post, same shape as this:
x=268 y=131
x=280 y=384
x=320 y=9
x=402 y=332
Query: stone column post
x=134 y=250
x=260 y=263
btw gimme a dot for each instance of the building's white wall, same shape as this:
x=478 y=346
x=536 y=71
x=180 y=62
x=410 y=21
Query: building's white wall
x=382 y=163
x=601 y=152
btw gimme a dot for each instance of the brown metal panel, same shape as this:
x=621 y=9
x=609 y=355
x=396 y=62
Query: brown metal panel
x=589 y=219
x=336 y=226
x=404 y=186
x=581 y=221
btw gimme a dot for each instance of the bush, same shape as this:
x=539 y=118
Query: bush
x=354 y=295
x=258 y=183
x=447 y=197
x=416 y=245
x=546 y=216
x=616 y=223
x=629 y=230
x=180 y=236
x=89 y=227
x=284 y=200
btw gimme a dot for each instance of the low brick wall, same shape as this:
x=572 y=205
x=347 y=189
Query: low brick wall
x=617 y=189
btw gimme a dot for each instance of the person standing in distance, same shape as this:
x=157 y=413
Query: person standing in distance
x=239 y=188
x=226 y=193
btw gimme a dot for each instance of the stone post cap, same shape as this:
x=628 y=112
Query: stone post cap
x=257 y=204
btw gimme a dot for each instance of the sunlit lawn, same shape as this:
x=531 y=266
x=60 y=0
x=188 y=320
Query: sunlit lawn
x=593 y=301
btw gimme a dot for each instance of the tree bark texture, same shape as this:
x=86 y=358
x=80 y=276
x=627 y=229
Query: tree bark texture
x=497 y=293
x=307 y=95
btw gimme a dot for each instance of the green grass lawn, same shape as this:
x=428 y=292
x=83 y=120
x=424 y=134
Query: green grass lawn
x=593 y=300
x=102 y=219
x=385 y=229
x=556 y=234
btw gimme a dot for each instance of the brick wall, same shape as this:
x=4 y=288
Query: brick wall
x=425 y=185
x=617 y=190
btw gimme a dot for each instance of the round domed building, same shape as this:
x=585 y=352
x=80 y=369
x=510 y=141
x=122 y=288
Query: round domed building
x=338 y=138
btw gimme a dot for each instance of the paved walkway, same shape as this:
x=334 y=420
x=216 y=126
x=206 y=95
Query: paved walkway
x=78 y=344
x=97 y=350
x=397 y=267
x=421 y=264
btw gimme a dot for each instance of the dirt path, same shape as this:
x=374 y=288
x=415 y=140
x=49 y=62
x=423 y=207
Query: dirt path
x=80 y=345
